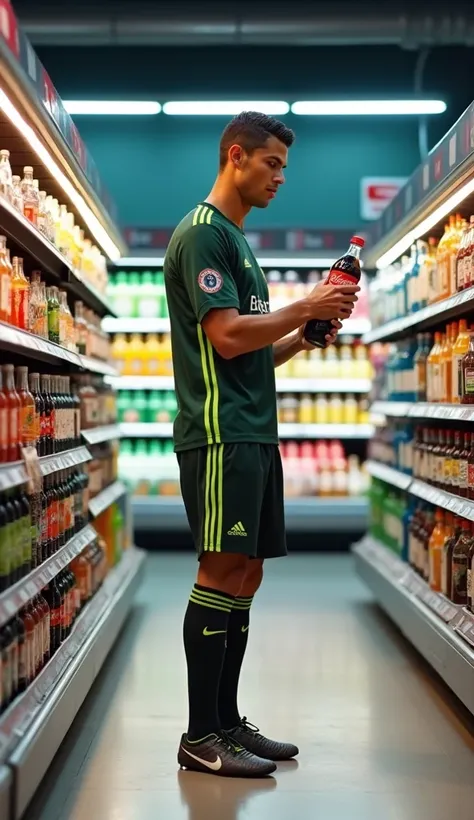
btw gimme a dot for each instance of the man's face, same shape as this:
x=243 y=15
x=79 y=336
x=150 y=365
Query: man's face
x=259 y=175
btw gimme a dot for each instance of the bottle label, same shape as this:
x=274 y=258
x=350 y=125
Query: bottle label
x=13 y=417
x=22 y=662
x=52 y=425
x=45 y=425
x=459 y=579
x=27 y=425
x=5 y=552
x=462 y=479
x=54 y=520
x=468 y=381
x=447 y=471
x=45 y=526
x=55 y=618
x=31 y=213
x=53 y=324
x=454 y=472
x=470 y=476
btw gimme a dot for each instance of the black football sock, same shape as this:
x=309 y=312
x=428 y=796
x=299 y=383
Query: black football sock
x=237 y=637
x=205 y=635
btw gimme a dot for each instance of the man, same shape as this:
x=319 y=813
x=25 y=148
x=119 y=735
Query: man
x=226 y=344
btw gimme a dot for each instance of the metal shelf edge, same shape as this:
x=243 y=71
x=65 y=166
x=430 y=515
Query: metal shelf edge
x=107 y=497
x=36 y=749
x=97 y=435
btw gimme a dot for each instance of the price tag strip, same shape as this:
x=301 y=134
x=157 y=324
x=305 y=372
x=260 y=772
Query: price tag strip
x=99 y=434
x=97 y=366
x=106 y=498
x=14 y=598
x=389 y=474
x=465 y=626
x=62 y=461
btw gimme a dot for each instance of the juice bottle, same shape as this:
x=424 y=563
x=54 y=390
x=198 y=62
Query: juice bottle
x=20 y=291
x=27 y=409
x=5 y=282
x=119 y=351
x=468 y=279
x=430 y=273
x=420 y=362
x=30 y=195
x=81 y=328
x=321 y=409
x=446 y=353
x=458 y=236
x=152 y=352
x=53 y=314
x=433 y=369
x=459 y=564
x=350 y=411
x=17 y=195
x=346 y=362
x=6 y=179
x=442 y=263
x=467 y=373
x=13 y=412
x=165 y=356
x=361 y=365
x=435 y=547
x=460 y=348
x=459 y=264
x=335 y=410
x=148 y=300
x=305 y=409
x=133 y=356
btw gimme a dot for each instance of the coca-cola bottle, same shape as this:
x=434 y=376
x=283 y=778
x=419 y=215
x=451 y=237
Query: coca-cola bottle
x=346 y=271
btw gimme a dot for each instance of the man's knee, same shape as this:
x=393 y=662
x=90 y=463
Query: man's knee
x=223 y=571
x=253 y=578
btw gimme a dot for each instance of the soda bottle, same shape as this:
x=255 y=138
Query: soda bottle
x=346 y=271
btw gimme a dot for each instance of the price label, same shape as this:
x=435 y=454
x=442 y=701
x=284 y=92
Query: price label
x=9 y=606
x=31 y=588
x=23 y=595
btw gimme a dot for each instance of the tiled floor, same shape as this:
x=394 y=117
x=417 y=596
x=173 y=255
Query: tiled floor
x=380 y=737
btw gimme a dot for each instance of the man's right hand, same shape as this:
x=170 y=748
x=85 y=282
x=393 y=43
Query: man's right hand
x=332 y=301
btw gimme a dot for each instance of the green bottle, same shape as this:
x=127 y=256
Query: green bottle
x=155 y=407
x=148 y=302
x=118 y=531
x=170 y=405
x=53 y=314
x=161 y=295
x=123 y=301
x=123 y=405
x=134 y=293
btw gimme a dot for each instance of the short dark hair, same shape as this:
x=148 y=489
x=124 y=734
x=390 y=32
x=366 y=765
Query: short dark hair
x=251 y=130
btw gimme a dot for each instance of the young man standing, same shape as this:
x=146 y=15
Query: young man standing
x=226 y=345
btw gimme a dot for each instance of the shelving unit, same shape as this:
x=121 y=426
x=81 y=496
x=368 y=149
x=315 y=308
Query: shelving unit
x=351 y=327
x=36 y=129
x=302 y=515
x=423 y=410
x=442 y=632
x=313 y=385
x=290 y=431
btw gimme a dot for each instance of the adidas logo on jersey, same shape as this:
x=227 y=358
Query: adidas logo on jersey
x=237 y=529
x=247 y=263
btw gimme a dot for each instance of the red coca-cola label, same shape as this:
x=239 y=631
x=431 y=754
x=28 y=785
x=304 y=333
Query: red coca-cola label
x=55 y=617
x=337 y=277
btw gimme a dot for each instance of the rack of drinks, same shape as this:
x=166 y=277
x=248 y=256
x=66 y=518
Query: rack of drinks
x=418 y=556
x=68 y=570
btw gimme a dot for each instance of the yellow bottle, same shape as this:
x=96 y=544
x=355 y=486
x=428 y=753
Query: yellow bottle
x=118 y=352
x=456 y=237
x=305 y=409
x=336 y=415
x=429 y=275
x=321 y=409
x=346 y=362
x=435 y=551
x=362 y=364
x=135 y=356
x=350 y=410
x=460 y=348
x=152 y=351
x=165 y=361
x=445 y=359
x=442 y=261
x=433 y=386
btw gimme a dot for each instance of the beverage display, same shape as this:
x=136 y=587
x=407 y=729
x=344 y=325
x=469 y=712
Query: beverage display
x=345 y=271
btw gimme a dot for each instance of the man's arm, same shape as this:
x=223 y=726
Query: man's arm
x=285 y=349
x=232 y=334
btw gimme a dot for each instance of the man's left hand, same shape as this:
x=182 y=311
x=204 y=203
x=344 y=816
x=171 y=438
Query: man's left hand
x=330 y=338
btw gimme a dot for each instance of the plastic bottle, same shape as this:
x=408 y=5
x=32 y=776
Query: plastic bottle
x=435 y=550
x=152 y=354
x=467 y=373
x=148 y=299
x=5 y=282
x=20 y=291
x=460 y=348
x=53 y=314
x=6 y=181
x=433 y=370
x=30 y=195
x=134 y=356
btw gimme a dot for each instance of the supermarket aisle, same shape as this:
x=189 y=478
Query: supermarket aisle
x=324 y=669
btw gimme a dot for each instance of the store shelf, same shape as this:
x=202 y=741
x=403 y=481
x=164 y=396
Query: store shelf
x=290 y=385
x=442 y=632
x=104 y=499
x=351 y=327
x=16 y=596
x=97 y=435
x=26 y=344
x=97 y=366
x=394 y=409
x=388 y=474
x=440 y=498
x=423 y=410
x=350 y=514
x=37 y=722
x=14 y=474
x=285 y=431
x=456 y=306
x=342 y=431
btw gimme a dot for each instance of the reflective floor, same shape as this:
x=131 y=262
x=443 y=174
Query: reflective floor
x=380 y=736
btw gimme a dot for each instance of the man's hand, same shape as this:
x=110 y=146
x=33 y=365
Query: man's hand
x=333 y=301
x=330 y=338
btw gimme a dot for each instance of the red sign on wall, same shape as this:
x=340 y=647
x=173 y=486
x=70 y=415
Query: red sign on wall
x=8 y=27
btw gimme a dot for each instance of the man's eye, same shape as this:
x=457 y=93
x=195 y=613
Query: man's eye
x=272 y=164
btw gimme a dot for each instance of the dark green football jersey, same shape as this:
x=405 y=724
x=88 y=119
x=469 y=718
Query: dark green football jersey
x=209 y=264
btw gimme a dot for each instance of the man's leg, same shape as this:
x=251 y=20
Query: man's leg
x=219 y=581
x=237 y=638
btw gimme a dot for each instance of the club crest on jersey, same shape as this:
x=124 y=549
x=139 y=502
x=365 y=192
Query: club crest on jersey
x=210 y=281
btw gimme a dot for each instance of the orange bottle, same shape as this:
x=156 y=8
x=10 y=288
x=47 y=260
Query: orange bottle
x=134 y=356
x=433 y=369
x=442 y=261
x=151 y=360
x=435 y=550
x=460 y=348
x=119 y=351
x=5 y=282
x=19 y=295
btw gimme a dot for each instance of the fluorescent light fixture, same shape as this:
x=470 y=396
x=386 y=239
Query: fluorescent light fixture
x=112 y=107
x=97 y=230
x=225 y=108
x=358 y=108
x=441 y=212
x=271 y=262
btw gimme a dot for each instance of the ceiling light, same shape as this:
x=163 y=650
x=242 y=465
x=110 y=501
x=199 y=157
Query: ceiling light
x=357 y=108
x=225 y=108
x=270 y=262
x=420 y=230
x=111 y=107
x=97 y=230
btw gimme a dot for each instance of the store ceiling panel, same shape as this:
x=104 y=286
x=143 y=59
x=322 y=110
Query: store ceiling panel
x=246 y=23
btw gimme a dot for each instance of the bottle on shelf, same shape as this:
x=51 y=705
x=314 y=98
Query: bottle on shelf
x=5 y=282
x=30 y=195
x=20 y=292
x=467 y=373
x=460 y=348
x=17 y=194
x=13 y=412
x=460 y=563
x=6 y=179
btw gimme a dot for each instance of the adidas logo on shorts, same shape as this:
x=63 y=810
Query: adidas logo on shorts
x=237 y=529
